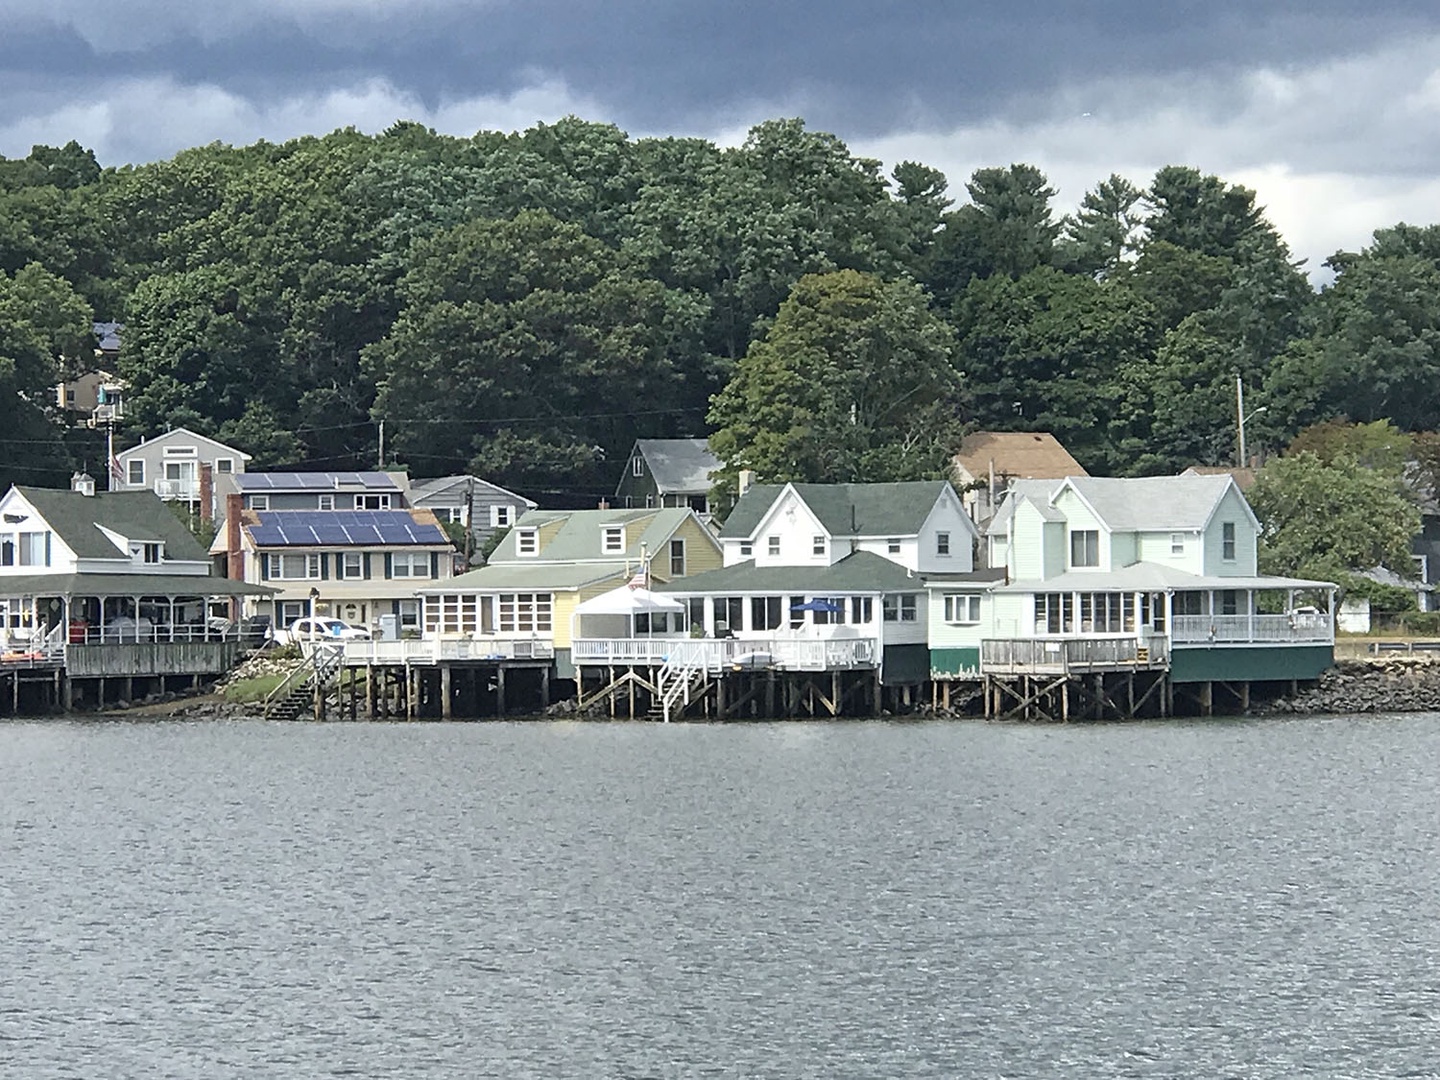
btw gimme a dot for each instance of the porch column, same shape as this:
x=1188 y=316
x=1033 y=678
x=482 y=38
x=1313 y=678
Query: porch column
x=1250 y=604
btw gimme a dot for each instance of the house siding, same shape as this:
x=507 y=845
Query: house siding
x=1230 y=509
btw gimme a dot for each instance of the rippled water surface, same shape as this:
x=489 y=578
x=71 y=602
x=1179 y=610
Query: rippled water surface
x=1246 y=899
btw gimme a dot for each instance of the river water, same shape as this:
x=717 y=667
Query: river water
x=868 y=900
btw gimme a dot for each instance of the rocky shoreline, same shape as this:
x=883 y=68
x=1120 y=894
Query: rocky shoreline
x=1378 y=684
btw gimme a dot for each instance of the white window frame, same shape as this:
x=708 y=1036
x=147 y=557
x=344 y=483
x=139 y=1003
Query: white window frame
x=962 y=609
x=325 y=501
x=152 y=552
x=1177 y=543
x=520 y=613
x=892 y=545
x=282 y=563
x=31 y=549
x=416 y=564
x=224 y=465
x=380 y=501
x=637 y=466
x=179 y=452
x=772 y=545
x=612 y=539
x=502 y=516
x=942 y=545
x=344 y=568
x=1081 y=535
x=135 y=472
x=527 y=542
x=259 y=502
x=1228 y=544
x=817 y=545
x=747 y=549
x=677 y=558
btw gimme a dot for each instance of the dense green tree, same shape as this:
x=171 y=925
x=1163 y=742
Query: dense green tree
x=1327 y=520
x=1103 y=233
x=1007 y=228
x=853 y=382
x=1378 y=445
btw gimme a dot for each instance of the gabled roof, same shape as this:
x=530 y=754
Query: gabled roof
x=540 y=576
x=1124 y=504
x=135 y=515
x=108 y=335
x=678 y=466
x=1025 y=455
x=343 y=528
x=315 y=481
x=1244 y=478
x=578 y=537
x=898 y=509
x=860 y=571
x=182 y=435
x=425 y=489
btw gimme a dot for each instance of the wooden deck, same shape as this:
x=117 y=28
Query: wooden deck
x=1066 y=656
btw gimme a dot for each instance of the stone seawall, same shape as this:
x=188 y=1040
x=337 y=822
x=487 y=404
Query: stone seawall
x=1379 y=684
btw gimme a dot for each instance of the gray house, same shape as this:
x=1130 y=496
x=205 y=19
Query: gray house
x=319 y=490
x=486 y=508
x=668 y=472
x=172 y=466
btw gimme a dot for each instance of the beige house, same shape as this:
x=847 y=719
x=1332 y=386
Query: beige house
x=989 y=460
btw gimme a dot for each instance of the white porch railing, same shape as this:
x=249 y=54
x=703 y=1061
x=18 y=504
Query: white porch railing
x=1061 y=655
x=1209 y=629
x=717 y=654
x=178 y=489
x=435 y=650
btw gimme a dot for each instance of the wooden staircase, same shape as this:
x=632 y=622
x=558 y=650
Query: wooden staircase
x=295 y=696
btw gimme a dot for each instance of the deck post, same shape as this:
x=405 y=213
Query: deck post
x=445 y=696
x=410 y=694
x=500 y=689
x=545 y=687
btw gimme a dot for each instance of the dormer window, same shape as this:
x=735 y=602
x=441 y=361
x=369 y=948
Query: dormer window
x=325 y=501
x=259 y=502
x=817 y=545
x=151 y=553
x=612 y=539
x=1177 y=543
x=1084 y=547
x=747 y=549
x=372 y=502
x=527 y=542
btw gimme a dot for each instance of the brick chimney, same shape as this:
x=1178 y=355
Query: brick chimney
x=207 y=491
x=235 y=558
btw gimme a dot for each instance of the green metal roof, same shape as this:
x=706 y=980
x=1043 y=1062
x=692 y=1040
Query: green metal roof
x=862 y=571
x=135 y=515
x=126 y=585
x=532 y=575
x=578 y=538
x=844 y=509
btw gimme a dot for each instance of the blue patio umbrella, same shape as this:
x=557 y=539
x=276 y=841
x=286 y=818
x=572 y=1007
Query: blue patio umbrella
x=816 y=605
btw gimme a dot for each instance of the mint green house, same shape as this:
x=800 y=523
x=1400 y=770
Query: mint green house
x=1151 y=574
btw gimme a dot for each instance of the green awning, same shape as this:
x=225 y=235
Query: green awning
x=126 y=585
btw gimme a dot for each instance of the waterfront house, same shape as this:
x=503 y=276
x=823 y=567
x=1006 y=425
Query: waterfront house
x=175 y=466
x=988 y=461
x=485 y=509
x=668 y=473
x=1154 y=573
x=373 y=490
x=363 y=566
x=523 y=600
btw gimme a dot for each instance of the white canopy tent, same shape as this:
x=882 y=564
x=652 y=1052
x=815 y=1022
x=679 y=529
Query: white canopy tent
x=615 y=614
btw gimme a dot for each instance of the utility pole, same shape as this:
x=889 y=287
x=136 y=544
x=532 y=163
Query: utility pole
x=1240 y=417
x=469 y=519
x=381 y=463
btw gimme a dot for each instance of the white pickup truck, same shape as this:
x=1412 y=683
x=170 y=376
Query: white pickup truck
x=319 y=629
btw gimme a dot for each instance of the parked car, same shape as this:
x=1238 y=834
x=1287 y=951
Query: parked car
x=320 y=629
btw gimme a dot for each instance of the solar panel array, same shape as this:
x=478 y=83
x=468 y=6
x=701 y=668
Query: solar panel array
x=324 y=528
x=315 y=481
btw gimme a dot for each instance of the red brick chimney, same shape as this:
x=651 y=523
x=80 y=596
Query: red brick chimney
x=207 y=491
x=235 y=558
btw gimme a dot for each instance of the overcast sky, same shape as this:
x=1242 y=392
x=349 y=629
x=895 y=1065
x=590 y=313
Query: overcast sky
x=1327 y=108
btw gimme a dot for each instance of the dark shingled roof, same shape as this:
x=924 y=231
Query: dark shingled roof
x=679 y=465
x=845 y=509
x=136 y=515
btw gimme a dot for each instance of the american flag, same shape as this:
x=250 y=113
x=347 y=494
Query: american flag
x=117 y=474
x=639 y=581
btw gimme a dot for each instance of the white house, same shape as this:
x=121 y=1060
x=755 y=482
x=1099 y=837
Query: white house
x=171 y=466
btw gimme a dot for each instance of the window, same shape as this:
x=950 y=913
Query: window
x=372 y=502
x=1054 y=613
x=1227 y=541
x=1188 y=603
x=695 y=610
x=524 y=613
x=452 y=613
x=765 y=613
x=294 y=567
x=7 y=550
x=772 y=545
x=527 y=542
x=862 y=609
x=35 y=549
x=747 y=549
x=893 y=545
x=677 y=558
x=1177 y=543
x=455 y=515
x=612 y=539
x=902 y=608
x=942 y=544
x=637 y=466
x=135 y=471
x=826 y=618
x=1104 y=613
x=409 y=614
x=817 y=545
x=325 y=501
x=649 y=499
x=352 y=564
x=1229 y=602
x=502 y=517
x=224 y=465
x=410 y=564
x=729 y=615
x=1084 y=547
x=150 y=553
x=962 y=608
x=259 y=502
x=181 y=452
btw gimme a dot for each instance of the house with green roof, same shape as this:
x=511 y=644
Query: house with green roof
x=81 y=567
x=523 y=601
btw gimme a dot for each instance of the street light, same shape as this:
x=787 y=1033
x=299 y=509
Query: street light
x=1242 y=417
x=314 y=595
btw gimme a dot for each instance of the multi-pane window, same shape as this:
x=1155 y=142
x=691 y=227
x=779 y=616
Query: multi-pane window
x=1188 y=603
x=729 y=614
x=224 y=465
x=832 y=612
x=352 y=564
x=612 y=539
x=1106 y=613
x=502 y=517
x=372 y=502
x=677 y=558
x=1054 y=613
x=33 y=549
x=893 y=545
x=325 y=501
x=1085 y=547
x=773 y=545
x=524 y=613
x=452 y=613
x=817 y=545
x=527 y=542
x=409 y=614
x=765 y=613
x=962 y=608
x=410 y=564
x=1177 y=543
x=150 y=553
x=902 y=608
x=747 y=549
x=259 y=502
x=637 y=466
x=1227 y=541
x=862 y=609
x=1229 y=602
x=135 y=471
x=294 y=567
x=942 y=544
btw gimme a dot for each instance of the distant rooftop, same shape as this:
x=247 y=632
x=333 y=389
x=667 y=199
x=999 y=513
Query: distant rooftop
x=315 y=481
x=1019 y=455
